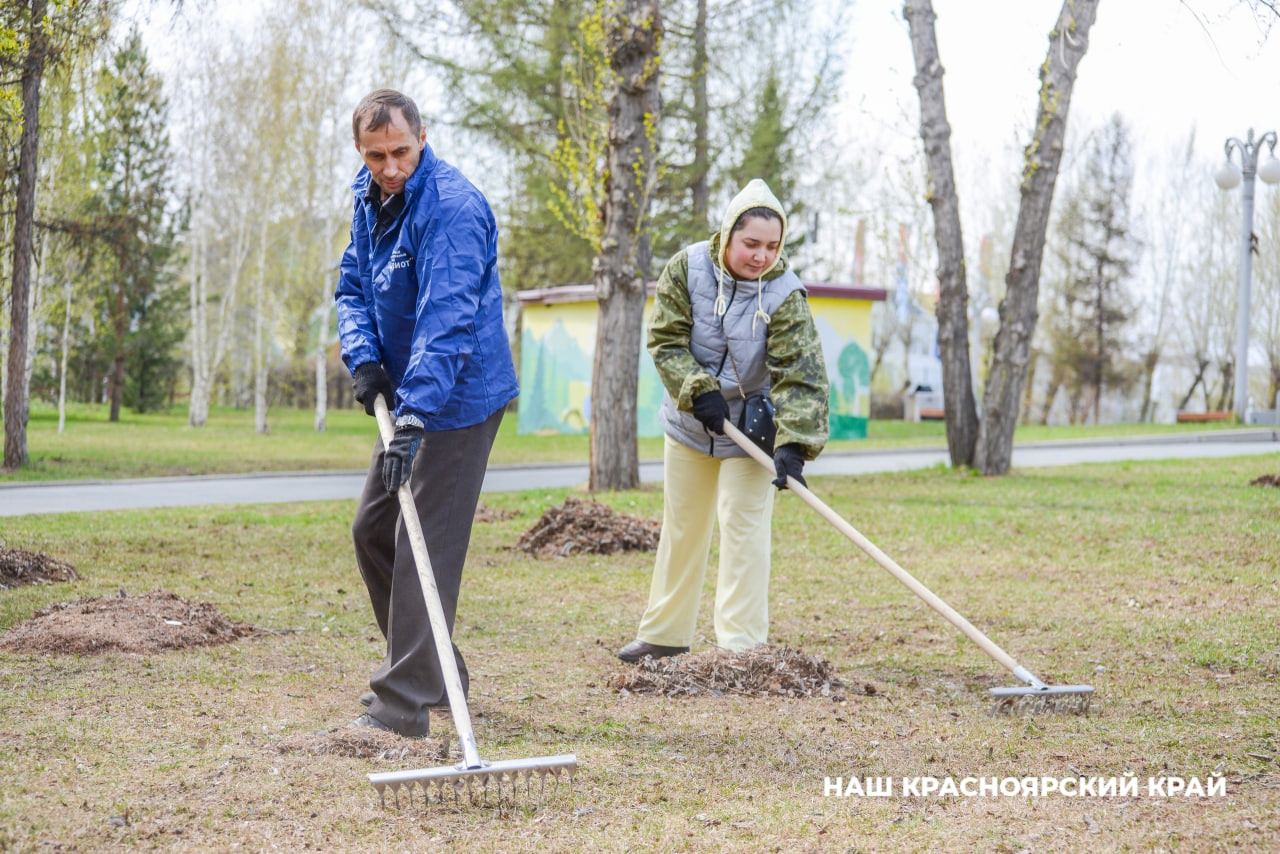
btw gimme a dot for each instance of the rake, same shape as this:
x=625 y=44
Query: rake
x=1032 y=697
x=472 y=776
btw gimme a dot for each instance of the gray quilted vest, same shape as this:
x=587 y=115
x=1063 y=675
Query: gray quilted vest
x=713 y=338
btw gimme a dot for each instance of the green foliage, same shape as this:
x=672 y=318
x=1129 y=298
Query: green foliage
x=135 y=219
x=768 y=150
x=532 y=81
x=582 y=135
x=153 y=365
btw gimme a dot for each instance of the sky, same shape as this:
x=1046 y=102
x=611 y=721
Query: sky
x=1163 y=66
x=1166 y=65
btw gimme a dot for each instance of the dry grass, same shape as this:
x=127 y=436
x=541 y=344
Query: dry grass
x=1156 y=582
x=758 y=672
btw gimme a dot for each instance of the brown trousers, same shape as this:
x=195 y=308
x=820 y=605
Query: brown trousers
x=448 y=472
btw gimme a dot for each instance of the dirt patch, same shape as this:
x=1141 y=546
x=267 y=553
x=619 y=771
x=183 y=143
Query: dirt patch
x=153 y=622
x=758 y=672
x=1266 y=480
x=484 y=513
x=364 y=743
x=588 y=527
x=19 y=568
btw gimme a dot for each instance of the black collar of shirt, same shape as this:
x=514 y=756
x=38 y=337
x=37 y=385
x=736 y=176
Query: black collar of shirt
x=388 y=209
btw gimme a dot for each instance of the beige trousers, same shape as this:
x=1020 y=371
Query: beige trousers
x=697 y=489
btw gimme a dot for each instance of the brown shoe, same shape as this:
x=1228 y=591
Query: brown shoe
x=638 y=649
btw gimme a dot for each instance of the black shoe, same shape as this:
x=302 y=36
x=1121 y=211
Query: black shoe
x=638 y=649
x=367 y=698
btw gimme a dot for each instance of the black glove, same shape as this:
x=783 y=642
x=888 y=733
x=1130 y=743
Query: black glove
x=397 y=462
x=370 y=381
x=711 y=409
x=788 y=460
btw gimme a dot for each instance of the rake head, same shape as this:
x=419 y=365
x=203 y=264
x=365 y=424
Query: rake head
x=1042 y=699
x=456 y=783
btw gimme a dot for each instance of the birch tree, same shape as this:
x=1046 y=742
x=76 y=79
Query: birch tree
x=212 y=101
x=1169 y=236
x=1206 y=295
x=1267 y=281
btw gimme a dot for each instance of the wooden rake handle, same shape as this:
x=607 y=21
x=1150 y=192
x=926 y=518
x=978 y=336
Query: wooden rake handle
x=431 y=594
x=889 y=564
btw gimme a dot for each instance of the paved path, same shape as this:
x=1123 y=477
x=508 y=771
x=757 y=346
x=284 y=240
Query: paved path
x=66 y=497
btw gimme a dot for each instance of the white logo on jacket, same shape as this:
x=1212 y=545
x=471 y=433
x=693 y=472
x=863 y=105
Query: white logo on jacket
x=400 y=259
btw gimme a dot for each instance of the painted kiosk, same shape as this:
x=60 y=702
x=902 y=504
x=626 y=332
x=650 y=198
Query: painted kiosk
x=557 y=339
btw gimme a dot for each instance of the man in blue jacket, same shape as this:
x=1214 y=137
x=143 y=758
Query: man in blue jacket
x=420 y=321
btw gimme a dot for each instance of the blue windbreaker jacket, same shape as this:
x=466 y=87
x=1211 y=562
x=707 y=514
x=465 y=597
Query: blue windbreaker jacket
x=425 y=300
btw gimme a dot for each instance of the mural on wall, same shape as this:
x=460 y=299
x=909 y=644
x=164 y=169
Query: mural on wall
x=556 y=348
x=558 y=341
x=842 y=324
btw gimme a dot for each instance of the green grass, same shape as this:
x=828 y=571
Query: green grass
x=1154 y=581
x=161 y=444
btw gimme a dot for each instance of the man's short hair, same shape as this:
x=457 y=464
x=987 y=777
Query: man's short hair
x=374 y=112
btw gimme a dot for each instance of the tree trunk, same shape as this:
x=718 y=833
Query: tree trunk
x=214 y=353
x=1149 y=362
x=1050 y=394
x=62 y=364
x=322 y=357
x=1029 y=389
x=115 y=381
x=198 y=406
x=1018 y=310
x=15 y=398
x=701 y=119
x=1201 y=366
x=633 y=35
x=1273 y=390
x=953 y=296
x=1227 y=369
x=33 y=311
x=259 y=333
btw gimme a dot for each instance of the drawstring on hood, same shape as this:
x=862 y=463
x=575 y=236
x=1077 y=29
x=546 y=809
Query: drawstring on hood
x=755 y=195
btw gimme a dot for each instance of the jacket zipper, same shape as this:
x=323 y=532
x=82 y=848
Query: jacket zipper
x=732 y=293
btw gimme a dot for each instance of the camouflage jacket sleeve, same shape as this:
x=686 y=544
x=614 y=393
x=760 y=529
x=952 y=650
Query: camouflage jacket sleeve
x=669 y=330
x=797 y=376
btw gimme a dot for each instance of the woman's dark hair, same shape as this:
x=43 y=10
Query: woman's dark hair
x=755 y=213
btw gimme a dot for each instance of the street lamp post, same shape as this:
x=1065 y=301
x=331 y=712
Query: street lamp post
x=1228 y=177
